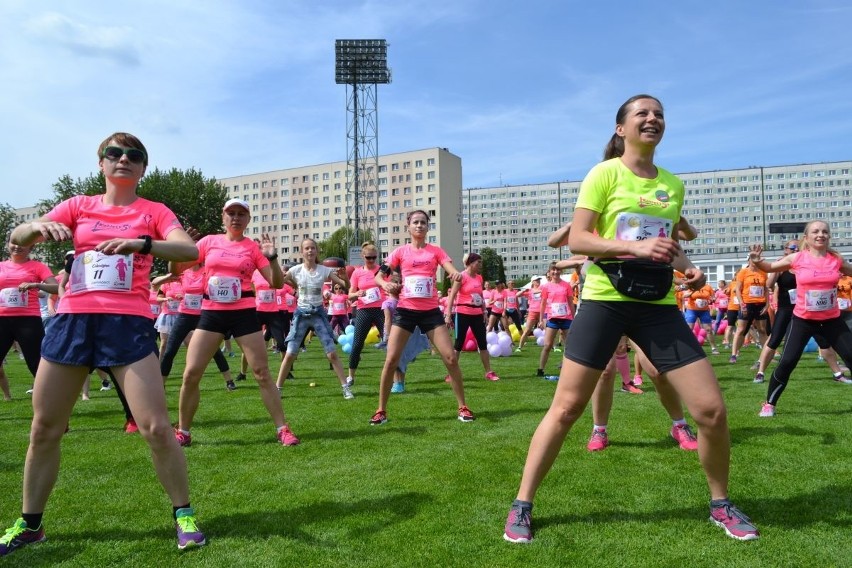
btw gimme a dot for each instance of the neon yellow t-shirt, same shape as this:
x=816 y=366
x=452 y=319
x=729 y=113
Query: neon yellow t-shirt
x=629 y=208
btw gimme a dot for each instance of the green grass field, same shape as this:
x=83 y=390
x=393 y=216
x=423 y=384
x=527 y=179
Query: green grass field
x=427 y=490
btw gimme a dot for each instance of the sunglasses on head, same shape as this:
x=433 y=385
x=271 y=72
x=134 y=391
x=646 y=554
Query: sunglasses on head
x=370 y=257
x=792 y=247
x=114 y=154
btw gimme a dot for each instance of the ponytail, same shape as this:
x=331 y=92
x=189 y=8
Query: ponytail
x=614 y=148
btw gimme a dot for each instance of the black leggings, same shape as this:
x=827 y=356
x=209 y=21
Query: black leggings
x=474 y=322
x=516 y=319
x=365 y=318
x=183 y=324
x=28 y=331
x=781 y=328
x=274 y=327
x=801 y=330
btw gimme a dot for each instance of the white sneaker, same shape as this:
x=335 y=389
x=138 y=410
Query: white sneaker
x=350 y=381
x=841 y=378
x=767 y=410
x=347 y=393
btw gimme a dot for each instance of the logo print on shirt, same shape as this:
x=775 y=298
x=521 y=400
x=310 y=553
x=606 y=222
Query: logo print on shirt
x=101 y=226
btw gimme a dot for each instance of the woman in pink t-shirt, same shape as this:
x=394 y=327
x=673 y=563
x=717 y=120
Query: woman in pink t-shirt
x=558 y=310
x=498 y=306
x=533 y=294
x=418 y=263
x=818 y=268
x=466 y=298
x=369 y=299
x=104 y=320
x=228 y=308
x=21 y=279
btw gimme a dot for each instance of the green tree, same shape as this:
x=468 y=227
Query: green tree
x=196 y=200
x=339 y=241
x=7 y=223
x=492 y=265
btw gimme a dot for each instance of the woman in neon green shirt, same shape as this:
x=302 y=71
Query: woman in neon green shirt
x=625 y=214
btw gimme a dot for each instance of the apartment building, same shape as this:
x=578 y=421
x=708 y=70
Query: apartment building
x=732 y=210
x=312 y=201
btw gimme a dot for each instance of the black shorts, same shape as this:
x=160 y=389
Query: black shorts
x=426 y=321
x=230 y=323
x=660 y=331
x=752 y=313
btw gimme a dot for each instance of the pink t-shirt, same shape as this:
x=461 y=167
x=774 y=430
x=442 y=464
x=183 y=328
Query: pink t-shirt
x=556 y=296
x=534 y=300
x=13 y=302
x=228 y=268
x=721 y=299
x=264 y=294
x=469 y=298
x=363 y=279
x=338 y=305
x=418 y=267
x=154 y=304
x=110 y=284
x=498 y=305
x=816 y=286
x=488 y=298
x=173 y=292
x=286 y=299
x=192 y=282
x=511 y=300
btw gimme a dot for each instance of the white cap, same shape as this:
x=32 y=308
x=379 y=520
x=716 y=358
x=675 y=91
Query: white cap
x=239 y=202
x=535 y=277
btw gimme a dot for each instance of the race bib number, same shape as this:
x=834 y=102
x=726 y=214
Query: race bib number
x=756 y=291
x=476 y=299
x=93 y=270
x=537 y=296
x=224 y=289
x=638 y=227
x=173 y=305
x=701 y=303
x=511 y=301
x=192 y=301
x=266 y=296
x=419 y=286
x=559 y=309
x=371 y=295
x=792 y=294
x=290 y=301
x=498 y=305
x=820 y=300
x=339 y=308
x=843 y=303
x=13 y=298
x=155 y=309
x=723 y=303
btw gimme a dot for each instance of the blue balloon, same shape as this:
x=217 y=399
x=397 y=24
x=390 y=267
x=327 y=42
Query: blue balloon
x=347 y=347
x=350 y=329
x=345 y=339
x=811 y=346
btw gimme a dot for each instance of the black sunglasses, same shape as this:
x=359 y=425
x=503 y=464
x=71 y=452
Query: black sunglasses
x=114 y=154
x=370 y=258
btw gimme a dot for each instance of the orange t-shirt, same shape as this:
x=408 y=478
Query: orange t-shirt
x=700 y=300
x=752 y=285
x=844 y=293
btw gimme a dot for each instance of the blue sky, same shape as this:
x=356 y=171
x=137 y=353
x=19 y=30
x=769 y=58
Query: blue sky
x=524 y=92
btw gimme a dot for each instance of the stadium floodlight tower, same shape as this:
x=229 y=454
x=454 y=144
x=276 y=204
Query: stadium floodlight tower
x=362 y=64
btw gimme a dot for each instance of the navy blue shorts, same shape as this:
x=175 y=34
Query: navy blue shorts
x=98 y=340
x=560 y=324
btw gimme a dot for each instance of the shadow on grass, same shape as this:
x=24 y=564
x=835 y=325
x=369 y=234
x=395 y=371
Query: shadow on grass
x=826 y=505
x=355 y=519
x=335 y=435
x=773 y=427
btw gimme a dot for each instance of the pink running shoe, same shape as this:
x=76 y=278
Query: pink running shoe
x=637 y=380
x=465 y=415
x=631 y=388
x=491 y=376
x=683 y=435
x=599 y=441
x=448 y=379
x=735 y=523
x=380 y=417
x=287 y=437
x=130 y=427
x=518 y=527
x=184 y=440
x=767 y=410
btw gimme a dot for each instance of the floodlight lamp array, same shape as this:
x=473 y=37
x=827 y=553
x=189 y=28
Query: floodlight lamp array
x=361 y=61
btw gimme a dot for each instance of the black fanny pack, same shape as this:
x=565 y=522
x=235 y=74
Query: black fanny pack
x=638 y=278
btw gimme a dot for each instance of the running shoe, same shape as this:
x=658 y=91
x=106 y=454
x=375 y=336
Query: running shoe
x=347 y=392
x=735 y=523
x=539 y=373
x=290 y=376
x=714 y=352
x=557 y=350
x=188 y=533
x=553 y=378
x=184 y=440
x=240 y=377
x=517 y=350
x=767 y=410
x=381 y=345
x=841 y=378
x=631 y=388
x=19 y=535
x=287 y=437
x=230 y=385
x=491 y=376
x=105 y=386
x=755 y=366
x=518 y=527
x=732 y=359
x=130 y=427
x=759 y=378
x=684 y=437
x=350 y=381
x=598 y=441
x=380 y=417
x=448 y=379
x=637 y=380
x=398 y=387
x=465 y=415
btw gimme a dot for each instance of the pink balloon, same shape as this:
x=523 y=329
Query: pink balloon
x=723 y=325
x=469 y=345
x=469 y=336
